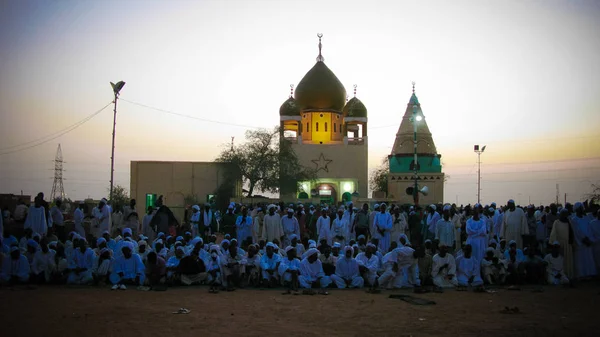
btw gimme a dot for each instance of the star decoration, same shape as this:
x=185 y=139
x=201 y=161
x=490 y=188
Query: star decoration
x=322 y=163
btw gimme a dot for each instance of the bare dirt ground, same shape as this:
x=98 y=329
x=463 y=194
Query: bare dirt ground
x=83 y=311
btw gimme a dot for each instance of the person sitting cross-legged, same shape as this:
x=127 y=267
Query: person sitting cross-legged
x=269 y=263
x=468 y=270
x=81 y=264
x=289 y=269
x=15 y=268
x=128 y=269
x=311 y=272
x=555 y=266
x=156 y=270
x=493 y=269
x=443 y=270
x=347 y=273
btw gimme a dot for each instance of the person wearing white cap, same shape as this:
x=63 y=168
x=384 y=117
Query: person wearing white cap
x=324 y=227
x=103 y=218
x=243 y=226
x=195 y=220
x=81 y=264
x=258 y=225
x=583 y=253
x=399 y=224
x=289 y=269
x=443 y=270
x=268 y=265
x=127 y=269
x=514 y=223
x=468 y=269
x=382 y=225
x=368 y=264
x=78 y=218
x=36 y=218
x=298 y=246
x=444 y=229
x=131 y=219
x=340 y=228
x=311 y=272
x=477 y=235
x=555 y=266
x=372 y=219
x=147 y=230
x=173 y=265
x=231 y=267
x=562 y=232
x=492 y=267
x=432 y=218
x=213 y=268
x=208 y=222
x=349 y=216
x=43 y=262
x=15 y=267
x=102 y=265
x=272 y=225
x=290 y=226
x=251 y=264
x=347 y=273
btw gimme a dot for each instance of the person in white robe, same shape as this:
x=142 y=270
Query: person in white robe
x=339 y=228
x=555 y=266
x=15 y=267
x=147 y=230
x=492 y=267
x=432 y=218
x=127 y=269
x=311 y=271
x=289 y=269
x=444 y=229
x=81 y=264
x=103 y=218
x=347 y=272
x=595 y=233
x=368 y=265
x=173 y=265
x=298 y=246
x=195 y=220
x=349 y=216
x=43 y=263
x=272 y=225
x=78 y=218
x=258 y=226
x=213 y=268
x=36 y=218
x=102 y=266
x=562 y=231
x=401 y=269
x=443 y=269
x=399 y=224
x=131 y=219
x=583 y=254
x=477 y=235
x=382 y=225
x=468 y=270
x=268 y=264
x=231 y=267
x=290 y=227
x=457 y=221
x=324 y=228
x=514 y=224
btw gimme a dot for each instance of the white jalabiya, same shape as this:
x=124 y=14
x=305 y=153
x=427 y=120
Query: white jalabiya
x=382 y=225
x=456 y=220
x=467 y=268
x=43 y=263
x=399 y=226
x=407 y=274
x=346 y=270
x=285 y=268
x=103 y=218
x=324 y=229
x=349 y=216
x=18 y=268
x=439 y=274
x=432 y=220
x=78 y=220
x=340 y=228
x=514 y=225
x=272 y=227
x=555 y=270
x=372 y=265
x=81 y=260
x=311 y=272
x=147 y=231
x=477 y=238
x=36 y=220
x=583 y=255
x=290 y=227
x=444 y=232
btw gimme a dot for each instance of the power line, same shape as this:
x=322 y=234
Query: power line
x=188 y=116
x=43 y=140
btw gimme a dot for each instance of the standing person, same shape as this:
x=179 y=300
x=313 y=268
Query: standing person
x=229 y=219
x=19 y=215
x=382 y=225
x=147 y=230
x=477 y=235
x=78 y=218
x=562 y=232
x=583 y=254
x=301 y=216
x=349 y=216
x=243 y=226
x=290 y=227
x=103 y=218
x=361 y=222
x=272 y=225
x=444 y=229
x=529 y=238
x=208 y=223
x=514 y=223
x=36 y=218
x=258 y=225
x=195 y=221
x=432 y=218
x=399 y=224
x=324 y=227
x=414 y=225
x=340 y=228
x=595 y=232
x=549 y=218
x=131 y=218
x=311 y=224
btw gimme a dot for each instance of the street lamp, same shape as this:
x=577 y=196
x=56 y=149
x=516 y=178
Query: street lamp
x=479 y=152
x=116 y=90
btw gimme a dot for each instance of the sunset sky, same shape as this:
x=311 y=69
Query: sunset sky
x=522 y=77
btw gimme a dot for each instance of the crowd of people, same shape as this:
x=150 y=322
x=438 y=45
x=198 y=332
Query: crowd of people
x=308 y=247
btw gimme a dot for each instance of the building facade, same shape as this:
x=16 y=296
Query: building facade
x=401 y=160
x=329 y=134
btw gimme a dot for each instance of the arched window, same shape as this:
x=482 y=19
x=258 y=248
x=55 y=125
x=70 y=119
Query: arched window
x=334 y=127
x=317 y=127
x=325 y=126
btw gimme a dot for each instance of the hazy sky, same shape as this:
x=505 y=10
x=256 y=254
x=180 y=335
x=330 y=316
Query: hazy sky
x=522 y=77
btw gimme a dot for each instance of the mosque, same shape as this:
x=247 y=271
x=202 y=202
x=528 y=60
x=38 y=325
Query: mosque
x=328 y=132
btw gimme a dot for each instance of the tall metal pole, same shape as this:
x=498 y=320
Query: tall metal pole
x=416 y=165
x=112 y=155
x=478 y=177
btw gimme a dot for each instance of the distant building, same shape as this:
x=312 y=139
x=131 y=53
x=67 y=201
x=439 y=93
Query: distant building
x=328 y=134
x=401 y=160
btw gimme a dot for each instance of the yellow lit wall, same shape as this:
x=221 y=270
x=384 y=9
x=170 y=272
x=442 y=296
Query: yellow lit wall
x=306 y=127
x=322 y=127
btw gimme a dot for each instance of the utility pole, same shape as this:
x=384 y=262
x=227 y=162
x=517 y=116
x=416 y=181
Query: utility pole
x=58 y=190
x=479 y=152
x=116 y=89
x=557 y=194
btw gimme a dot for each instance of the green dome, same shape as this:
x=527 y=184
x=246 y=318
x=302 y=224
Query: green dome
x=355 y=108
x=413 y=100
x=289 y=108
x=320 y=89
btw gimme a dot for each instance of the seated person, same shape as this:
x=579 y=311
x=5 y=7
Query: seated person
x=269 y=264
x=192 y=269
x=347 y=273
x=493 y=269
x=311 y=272
x=443 y=269
x=251 y=265
x=156 y=270
x=15 y=268
x=289 y=269
x=82 y=263
x=467 y=269
x=327 y=260
x=555 y=266
x=534 y=267
x=128 y=269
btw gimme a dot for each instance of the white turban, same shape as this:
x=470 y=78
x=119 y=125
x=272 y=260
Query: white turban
x=311 y=252
x=433 y=206
x=196 y=207
x=347 y=248
x=127 y=230
x=447 y=207
x=288 y=248
x=270 y=244
x=337 y=245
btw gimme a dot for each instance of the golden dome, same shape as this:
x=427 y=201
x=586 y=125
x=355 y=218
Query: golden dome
x=355 y=108
x=320 y=89
x=289 y=108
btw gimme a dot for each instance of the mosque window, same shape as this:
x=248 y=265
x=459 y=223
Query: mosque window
x=317 y=127
x=334 y=127
x=321 y=115
x=325 y=126
x=307 y=128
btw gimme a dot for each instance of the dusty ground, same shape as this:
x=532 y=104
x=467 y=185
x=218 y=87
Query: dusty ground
x=63 y=311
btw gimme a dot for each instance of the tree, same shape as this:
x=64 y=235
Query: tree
x=120 y=197
x=379 y=176
x=266 y=161
x=595 y=195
